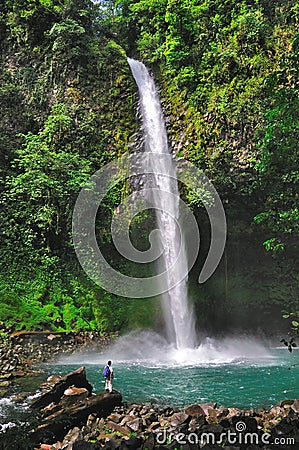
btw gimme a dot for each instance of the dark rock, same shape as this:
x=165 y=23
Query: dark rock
x=115 y=417
x=72 y=436
x=74 y=394
x=112 y=445
x=295 y=406
x=206 y=406
x=50 y=409
x=76 y=378
x=83 y=445
x=283 y=428
x=77 y=414
x=128 y=418
x=168 y=411
x=178 y=419
x=196 y=423
x=283 y=403
x=134 y=443
x=225 y=423
x=250 y=423
x=211 y=447
x=149 y=442
x=19 y=398
x=150 y=417
x=118 y=427
x=6 y=376
x=185 y=446
x=3 y=393
x=194 y=410
x=135 y=425
x=213 y=428
x=153 y=426
x=230 y=447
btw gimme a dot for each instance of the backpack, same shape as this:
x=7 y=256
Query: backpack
x=106 y=372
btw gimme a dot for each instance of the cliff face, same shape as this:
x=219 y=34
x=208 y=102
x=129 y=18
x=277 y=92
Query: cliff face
x=228 y=77
x=228 y=73
x=67 y=108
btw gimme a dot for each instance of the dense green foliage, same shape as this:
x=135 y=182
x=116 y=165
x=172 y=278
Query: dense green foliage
x=228 y=72
x=66 y=104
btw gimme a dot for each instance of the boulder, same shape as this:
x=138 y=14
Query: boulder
x=163 y=422
x=3 y=393
x=194 y=410
x=250 y=423
x=76 y=378
x=127 y=419
x=132 y=444
x=232 y=412
x=72 y=436
x=153 y=426
x=178 y=419
x=213 y=428
x=74 y=394
x=283 y=428
x=213 y=415
x=206 y=406
x=196 y=423
x=50 y=381
x=83 y=445
x=66 y=417
x=115 y=417
x=284 y=403
x=151 y=416
x=117 y=427
x=295 y=406
x=145 y=409
x=150 y=441
x=135 y=425
x=276 y=411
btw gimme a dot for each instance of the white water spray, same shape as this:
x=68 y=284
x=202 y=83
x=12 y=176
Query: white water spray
x=179 y=317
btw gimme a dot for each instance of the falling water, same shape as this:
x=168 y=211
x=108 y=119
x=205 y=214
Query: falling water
x=179 y=317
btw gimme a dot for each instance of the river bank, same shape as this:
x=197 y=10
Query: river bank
x=148 y=427
x=21 y=352
x=72 y=418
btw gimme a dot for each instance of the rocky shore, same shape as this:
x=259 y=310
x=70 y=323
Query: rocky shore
x=21 y=351
x=67 y=415
x=72 y=418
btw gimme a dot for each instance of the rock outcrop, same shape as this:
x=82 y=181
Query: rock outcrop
x=67 y=402
x=54 y=392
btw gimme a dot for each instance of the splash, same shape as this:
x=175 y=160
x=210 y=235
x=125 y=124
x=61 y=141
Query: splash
x=149 y=349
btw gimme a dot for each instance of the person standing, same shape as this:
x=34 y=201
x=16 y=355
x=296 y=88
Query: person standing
x=108 y=374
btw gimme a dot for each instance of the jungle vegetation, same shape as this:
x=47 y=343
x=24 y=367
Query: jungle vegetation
x=228 y=77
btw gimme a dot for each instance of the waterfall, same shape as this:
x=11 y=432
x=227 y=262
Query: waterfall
x=178 y=314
